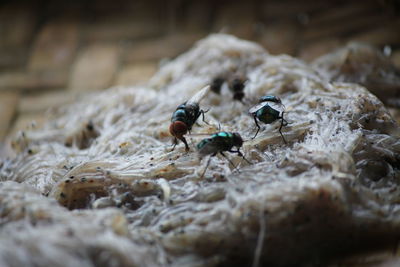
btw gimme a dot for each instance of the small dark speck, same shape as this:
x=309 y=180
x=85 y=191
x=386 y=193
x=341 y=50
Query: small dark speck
x=69 y=232
x=151 y=164
x=98 y=168
x=89 y=126
x=30 y=151
x=71 y=177
x=67 y=181
x=83 y=179
x=151 y=158
x=63 y=195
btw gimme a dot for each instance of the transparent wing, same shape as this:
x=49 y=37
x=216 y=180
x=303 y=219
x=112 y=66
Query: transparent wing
x=198 y=135
x=257 y=107
x=277 y=106
x=214 y=145
x=196 y=98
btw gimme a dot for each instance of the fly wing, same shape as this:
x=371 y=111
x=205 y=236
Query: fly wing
x=196 y=98
x=213 y=145
x=198 y=135
x=257 y=107
x=277 y=106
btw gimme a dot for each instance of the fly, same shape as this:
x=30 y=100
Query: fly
x=236 y=85
x=185 y=116
x=269 y=109
x=216 y=84
x=219 y=143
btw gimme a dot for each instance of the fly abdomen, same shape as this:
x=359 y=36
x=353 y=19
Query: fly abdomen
x=203 y=143
x=267 y=114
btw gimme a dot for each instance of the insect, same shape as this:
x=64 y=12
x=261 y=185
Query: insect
x=216 y=84
x=236 y=86
x=185 y=116
x=219 y=143
x=269 y=109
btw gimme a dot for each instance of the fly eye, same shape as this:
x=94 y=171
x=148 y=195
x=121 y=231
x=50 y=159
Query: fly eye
x=178 y=128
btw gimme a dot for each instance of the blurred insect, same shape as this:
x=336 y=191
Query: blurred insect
x=269 y=109
x=185 y=116
x=216 y=84
x=236 y=85
x=218 y=143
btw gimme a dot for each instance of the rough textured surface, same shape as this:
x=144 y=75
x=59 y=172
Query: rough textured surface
x=366 y=65
x=130 y=200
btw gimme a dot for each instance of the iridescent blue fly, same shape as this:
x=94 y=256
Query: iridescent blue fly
x=186 y=115
x=269 y=109
x=219 y=143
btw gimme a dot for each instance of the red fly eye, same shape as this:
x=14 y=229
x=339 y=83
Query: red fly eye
x=178 y=128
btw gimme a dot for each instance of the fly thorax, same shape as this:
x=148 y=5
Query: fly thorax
x=179 y=115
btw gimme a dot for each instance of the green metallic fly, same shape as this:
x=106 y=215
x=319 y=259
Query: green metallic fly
x=269 y=109
x=219 y=143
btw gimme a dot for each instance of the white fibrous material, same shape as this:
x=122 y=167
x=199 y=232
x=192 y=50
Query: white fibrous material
x=366 y=65
x=99 y=184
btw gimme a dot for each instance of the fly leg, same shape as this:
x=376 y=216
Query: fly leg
x=208 y=163
x=258 y=126
x=240 y=154
x=283 y=123
x=186 y=144
x=174 y=143
x=229 y=161
x=202 y=114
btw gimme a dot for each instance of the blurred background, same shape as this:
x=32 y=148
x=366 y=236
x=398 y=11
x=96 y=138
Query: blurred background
x=51 y=52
